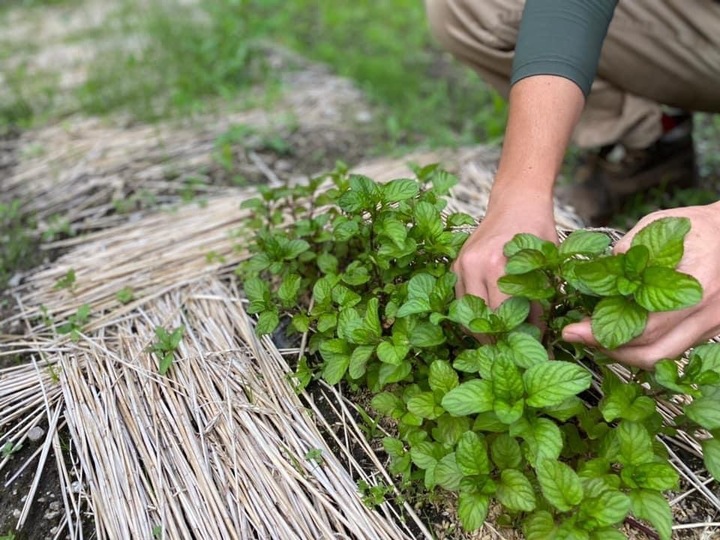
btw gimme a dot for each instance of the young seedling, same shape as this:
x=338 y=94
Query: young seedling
x=165 y=346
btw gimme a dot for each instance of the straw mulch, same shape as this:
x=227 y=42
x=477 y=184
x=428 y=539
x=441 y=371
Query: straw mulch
x=222 y=447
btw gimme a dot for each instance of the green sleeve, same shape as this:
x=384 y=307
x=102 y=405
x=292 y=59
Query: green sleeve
x=562 y=37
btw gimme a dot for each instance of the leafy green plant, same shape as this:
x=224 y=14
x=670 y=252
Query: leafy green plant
x=75 y=323
x=125 y=295
x=363 y=269
x=17 y=241
x=68 y=281
x=8 y=449
x=165 y=346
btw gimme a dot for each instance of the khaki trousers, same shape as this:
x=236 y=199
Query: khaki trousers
x=657 y=52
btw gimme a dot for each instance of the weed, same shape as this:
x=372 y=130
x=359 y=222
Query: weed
x=68 y=281
x=165 y=346
x=125 y=295
x=75 y=323
x=8 y=449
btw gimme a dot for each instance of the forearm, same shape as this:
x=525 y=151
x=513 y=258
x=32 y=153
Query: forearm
x=543 y=112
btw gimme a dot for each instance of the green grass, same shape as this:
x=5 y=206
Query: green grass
x=196 y=54
x=18 y=247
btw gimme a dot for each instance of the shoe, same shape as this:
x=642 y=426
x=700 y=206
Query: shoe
x=607 y=179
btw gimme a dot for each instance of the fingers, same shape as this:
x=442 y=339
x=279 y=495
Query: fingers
x=667 y=335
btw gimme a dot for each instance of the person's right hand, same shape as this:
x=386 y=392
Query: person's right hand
x=481 y=262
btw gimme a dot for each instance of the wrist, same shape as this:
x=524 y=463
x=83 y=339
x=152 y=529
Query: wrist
x=522 y=192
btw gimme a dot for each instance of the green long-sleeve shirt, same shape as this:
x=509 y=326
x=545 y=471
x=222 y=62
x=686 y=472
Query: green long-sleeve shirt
x=562 y=37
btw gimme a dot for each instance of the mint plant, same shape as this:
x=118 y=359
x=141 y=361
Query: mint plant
x=363 y=270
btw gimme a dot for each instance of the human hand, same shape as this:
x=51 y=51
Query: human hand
x=481 y=261
x=669 y=334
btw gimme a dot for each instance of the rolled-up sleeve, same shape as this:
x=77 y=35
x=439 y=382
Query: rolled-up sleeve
x=562 y=37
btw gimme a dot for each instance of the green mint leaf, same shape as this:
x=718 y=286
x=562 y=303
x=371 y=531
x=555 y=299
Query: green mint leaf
x=654 y=508
x=664 y=239
x=550 y=383
x=543 y=437
x=372 y=320
x=460 y=219
x=356 y=274
x=389 y=374
x=539 y=526
x=704 y=412
x=635 y=442
x=258 y=293
x=625 y=403
x=636 y=261
x=363 y=194
x=477 y=361
x=572 y=406
x=710 y=355
x=523 y=241
x=447 y=473
x=289 y=289
x=608 y=508
x=711 y=456
x=617 y=320
x=655 y=476
x=267 y=323
x=426 y=334
x=336 y=354
x=600 y=275
x=327 y=321
x=471 y=397
x=449 y=429
x=506 y=380
x=513 y=312
x=399 y=190
x=472 y=510
x=300 y=323
x=346 y=230
x=533 y=285
x=389 y=353
x=443 y=181
x=524 y=261
x=664 y=289
x=393 y=229
x=466 y=309
x=359 y=359
x=428 y=220
x=293 y=248
x=322 y=290
x=505 y=452
x=584 y=243
x=560 y=485
x=472 y=455
x=426 y=454
x=525 y=350
x=345 y=297
x=327 y=263
x=424 y=406
x=413 y=307
x=515 y=491
x=388 y=404
x=666 y=375
x=420 y=286
x=442 y=377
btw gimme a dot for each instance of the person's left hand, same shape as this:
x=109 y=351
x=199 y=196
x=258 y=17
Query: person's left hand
x=670 y=334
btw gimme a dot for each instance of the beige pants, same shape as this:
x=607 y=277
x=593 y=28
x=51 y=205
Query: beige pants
x=658 y=52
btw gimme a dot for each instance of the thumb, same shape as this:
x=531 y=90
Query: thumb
x=580 y=333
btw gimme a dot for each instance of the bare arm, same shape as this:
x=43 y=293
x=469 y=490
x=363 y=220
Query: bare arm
x=543 y=112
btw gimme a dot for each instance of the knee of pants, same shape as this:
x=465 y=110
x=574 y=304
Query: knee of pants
x=475 y=25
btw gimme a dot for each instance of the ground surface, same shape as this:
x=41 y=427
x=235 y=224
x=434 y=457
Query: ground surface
x=79 y=173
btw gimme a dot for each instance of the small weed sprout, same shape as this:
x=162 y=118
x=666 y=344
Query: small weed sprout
x=166 y=346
